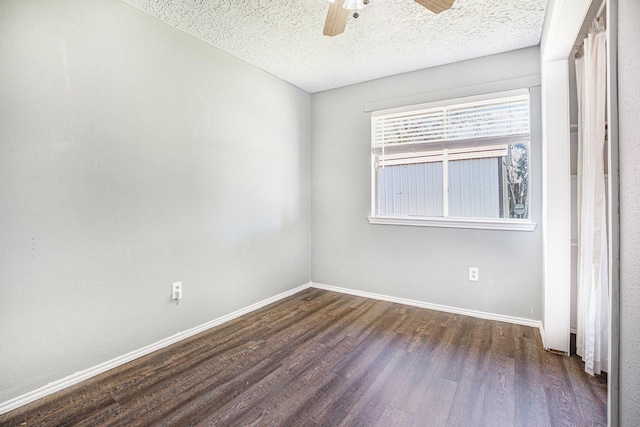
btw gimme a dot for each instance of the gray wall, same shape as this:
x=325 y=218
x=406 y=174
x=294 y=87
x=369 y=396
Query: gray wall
x=629 y=137
x=421 y=263
x=133 y=155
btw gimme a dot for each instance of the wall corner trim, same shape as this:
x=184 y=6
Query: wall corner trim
x=542 y=335
x=80 y=376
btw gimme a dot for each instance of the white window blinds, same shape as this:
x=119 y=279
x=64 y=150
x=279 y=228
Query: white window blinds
x=471 y=123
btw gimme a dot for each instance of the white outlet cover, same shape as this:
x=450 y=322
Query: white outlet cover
x=176 y=290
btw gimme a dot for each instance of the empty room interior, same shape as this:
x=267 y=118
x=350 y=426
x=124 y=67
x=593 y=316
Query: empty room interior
x=266 y=212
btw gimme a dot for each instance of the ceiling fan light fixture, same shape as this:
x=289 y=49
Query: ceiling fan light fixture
x=354 y=4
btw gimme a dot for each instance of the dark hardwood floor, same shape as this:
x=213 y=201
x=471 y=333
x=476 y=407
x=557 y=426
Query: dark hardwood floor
x=323 y=358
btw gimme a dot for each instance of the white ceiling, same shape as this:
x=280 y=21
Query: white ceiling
x=390 y=37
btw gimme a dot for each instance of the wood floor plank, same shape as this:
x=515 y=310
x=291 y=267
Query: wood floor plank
x=529 y=390
x=471 y=387
x=323 y=358
x=499 y=404
x=590 y=391
x=370 y=407
x=355 y=377
x=67 y=407
x=436 y=404
x=560 y=396
x=284 y=339
x=179 y=388
x=269 y=394
x=394 y=417
x=214 y=396
x=431 y=357
x=458 y=348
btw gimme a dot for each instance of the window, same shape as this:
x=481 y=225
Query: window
x=455 y=163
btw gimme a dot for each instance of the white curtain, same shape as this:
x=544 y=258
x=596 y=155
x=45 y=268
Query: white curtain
x=593 y=278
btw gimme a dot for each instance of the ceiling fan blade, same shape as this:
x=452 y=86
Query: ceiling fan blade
x=336 y=19
x=436 y=6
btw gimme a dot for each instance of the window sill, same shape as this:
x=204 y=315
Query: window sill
x=483 y=224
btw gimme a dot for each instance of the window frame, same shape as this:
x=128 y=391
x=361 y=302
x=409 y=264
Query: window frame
x=510 y=224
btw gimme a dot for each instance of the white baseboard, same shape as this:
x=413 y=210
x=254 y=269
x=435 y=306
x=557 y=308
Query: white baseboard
x=463 y=311
x=78 y=377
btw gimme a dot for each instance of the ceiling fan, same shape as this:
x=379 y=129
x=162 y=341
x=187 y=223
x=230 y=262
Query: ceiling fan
x=339 y=12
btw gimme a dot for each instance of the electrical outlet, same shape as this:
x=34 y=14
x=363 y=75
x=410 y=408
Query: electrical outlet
x=474 y=274
x=176 y=291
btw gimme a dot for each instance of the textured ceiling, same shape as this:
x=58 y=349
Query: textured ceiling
x=390 y=37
